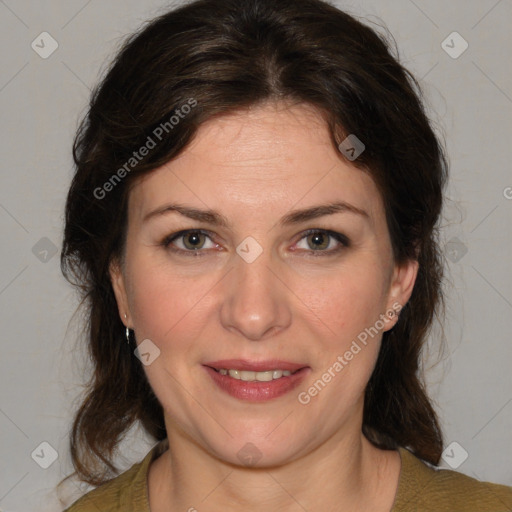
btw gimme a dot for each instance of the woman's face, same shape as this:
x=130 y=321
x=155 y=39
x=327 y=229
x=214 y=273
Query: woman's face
x=254 y=280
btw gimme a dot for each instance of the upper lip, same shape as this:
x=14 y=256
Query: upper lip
x=254 y=366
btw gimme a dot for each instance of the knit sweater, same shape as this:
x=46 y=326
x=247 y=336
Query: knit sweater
x=421 y=488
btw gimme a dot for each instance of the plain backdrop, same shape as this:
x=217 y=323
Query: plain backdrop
x=41 y=100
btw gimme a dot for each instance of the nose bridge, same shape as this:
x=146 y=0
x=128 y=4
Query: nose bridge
x=255 y=303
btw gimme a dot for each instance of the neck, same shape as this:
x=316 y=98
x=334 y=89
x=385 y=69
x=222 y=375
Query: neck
x=345 y=473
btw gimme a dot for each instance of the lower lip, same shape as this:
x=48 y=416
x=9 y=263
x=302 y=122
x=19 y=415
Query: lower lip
x=256 y=391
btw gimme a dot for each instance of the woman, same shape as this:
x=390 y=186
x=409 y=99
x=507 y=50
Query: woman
x=255 y=211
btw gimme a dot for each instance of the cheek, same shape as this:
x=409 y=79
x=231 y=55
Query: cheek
x=166 y=306
x=344 y=309
x=171 y=311
x=347 y=341
x=346 y=301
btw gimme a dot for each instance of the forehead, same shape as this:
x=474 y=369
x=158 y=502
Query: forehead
x=268 y=158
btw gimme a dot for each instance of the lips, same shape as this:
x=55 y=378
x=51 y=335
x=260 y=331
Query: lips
x=255 y=366
x=257 y=391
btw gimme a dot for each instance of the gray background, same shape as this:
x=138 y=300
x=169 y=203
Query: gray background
x=41 y=100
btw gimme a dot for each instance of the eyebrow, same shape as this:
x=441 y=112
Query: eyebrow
x=294 y=217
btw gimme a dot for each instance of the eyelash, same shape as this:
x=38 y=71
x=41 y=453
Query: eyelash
x=339 y=237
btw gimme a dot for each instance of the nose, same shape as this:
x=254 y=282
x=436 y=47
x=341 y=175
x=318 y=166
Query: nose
x=257 y=303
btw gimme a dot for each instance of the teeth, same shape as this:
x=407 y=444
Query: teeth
x=258 y=376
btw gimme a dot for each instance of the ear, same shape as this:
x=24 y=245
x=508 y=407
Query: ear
x=119 y=286
x=400 y=288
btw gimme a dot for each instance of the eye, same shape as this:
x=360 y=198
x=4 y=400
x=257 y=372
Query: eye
x=189 y=241
x=316 y=242
x=323 y=242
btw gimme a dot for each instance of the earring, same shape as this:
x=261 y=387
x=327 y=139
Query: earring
x=127 y=332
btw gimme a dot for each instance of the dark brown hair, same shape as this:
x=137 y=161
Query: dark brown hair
x=219 y=56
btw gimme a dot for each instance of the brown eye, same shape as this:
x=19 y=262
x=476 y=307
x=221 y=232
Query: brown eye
x=322 y=242
x=194 y=240
x=191 y=242
x=318 y=241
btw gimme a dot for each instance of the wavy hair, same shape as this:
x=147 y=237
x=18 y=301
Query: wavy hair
x=227 y=55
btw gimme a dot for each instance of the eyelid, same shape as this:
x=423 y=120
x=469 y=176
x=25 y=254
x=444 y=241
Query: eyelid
x=340 y=237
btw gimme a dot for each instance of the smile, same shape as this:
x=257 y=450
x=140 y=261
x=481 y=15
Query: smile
x=248 y=376
x=256 y=386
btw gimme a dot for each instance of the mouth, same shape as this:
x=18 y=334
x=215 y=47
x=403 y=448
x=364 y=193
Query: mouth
x=251 y=376
x=262 y=371
x=256 y=380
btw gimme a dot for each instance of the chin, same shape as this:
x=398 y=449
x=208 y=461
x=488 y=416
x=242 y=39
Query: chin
x=257 y=451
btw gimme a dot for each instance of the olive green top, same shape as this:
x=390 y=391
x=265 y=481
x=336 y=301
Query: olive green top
x=421 y=488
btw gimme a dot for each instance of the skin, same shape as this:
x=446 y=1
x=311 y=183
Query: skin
x=254 y=167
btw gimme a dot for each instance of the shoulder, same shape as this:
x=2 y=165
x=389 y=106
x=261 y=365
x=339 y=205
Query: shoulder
x=425 y=488
x=126 y=492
